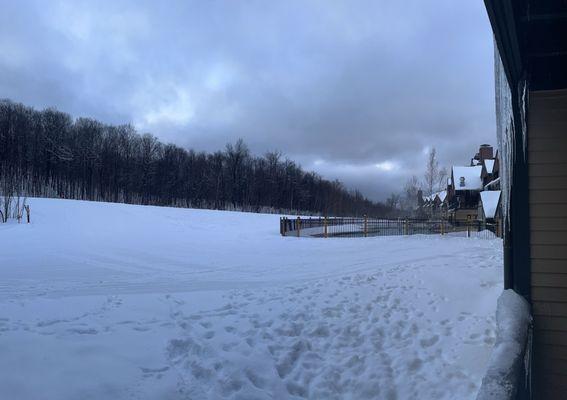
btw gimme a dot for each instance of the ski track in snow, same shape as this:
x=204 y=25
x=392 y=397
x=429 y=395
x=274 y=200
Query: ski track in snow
x=202 y=308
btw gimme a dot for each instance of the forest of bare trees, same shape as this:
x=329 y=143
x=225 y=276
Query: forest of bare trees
x=47 y=153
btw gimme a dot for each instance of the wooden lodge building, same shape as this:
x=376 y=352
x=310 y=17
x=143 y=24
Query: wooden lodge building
x=466 y=185
x=462 y=200
x=464 y=190
x=531 y=101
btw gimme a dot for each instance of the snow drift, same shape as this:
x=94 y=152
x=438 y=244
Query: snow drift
x=506 y=367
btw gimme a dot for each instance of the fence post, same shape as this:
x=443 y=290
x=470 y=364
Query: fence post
x=285 y=226
x=325 y=227
x=442 y=227
x=406 y=227
x=366 y=226
x=298 y=226
x=469 y=228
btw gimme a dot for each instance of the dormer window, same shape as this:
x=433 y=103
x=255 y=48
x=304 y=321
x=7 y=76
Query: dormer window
x=462 y=181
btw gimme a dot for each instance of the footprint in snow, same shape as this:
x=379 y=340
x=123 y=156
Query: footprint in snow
x=428 y=342
x=141 y=328
x=415 y=364
x=153 y=370
x=80 y=331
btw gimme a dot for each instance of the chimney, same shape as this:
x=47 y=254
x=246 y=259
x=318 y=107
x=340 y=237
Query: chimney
x=486 y=152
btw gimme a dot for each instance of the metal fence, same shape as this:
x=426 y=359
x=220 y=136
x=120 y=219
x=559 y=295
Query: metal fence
x=365 y=227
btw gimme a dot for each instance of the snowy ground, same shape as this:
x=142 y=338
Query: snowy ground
x=106 y=301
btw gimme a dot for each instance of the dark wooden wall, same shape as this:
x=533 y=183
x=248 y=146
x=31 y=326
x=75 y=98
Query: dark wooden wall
x=547 y=160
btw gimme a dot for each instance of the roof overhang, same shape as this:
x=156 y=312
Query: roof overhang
x=530 y=36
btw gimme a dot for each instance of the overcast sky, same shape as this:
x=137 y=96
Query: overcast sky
x=355 y=90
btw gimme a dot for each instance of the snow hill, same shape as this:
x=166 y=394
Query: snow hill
x=112 y=301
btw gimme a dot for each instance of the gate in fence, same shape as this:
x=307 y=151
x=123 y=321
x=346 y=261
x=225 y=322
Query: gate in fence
x=364 y=227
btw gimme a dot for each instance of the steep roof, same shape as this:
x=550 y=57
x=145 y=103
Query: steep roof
x=490 y=201
x=489 y=164
x=472 y=177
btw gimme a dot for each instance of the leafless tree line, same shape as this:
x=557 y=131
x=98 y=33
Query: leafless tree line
x=52 y=155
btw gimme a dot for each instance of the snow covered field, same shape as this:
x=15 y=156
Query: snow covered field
x=109 y=301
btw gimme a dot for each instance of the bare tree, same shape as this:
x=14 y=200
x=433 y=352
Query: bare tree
x=431 y=177
x=5 y=206
x=28 y=211
x=6 y=193
x=435 y=178
x=393 y=201
x=18 y=209
x=411 y=189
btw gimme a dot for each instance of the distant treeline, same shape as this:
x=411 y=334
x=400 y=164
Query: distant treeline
x=47 y=153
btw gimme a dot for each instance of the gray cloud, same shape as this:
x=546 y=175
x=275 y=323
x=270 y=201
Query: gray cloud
x=355 y=90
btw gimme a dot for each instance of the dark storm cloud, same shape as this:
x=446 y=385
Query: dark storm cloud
x=356 y=90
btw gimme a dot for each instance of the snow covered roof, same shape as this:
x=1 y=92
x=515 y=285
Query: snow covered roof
x=489 y=164
x=438 y=195
x=490 y=201
x=467 y=178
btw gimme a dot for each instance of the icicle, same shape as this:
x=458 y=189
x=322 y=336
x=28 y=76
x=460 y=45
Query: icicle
x=504 y=130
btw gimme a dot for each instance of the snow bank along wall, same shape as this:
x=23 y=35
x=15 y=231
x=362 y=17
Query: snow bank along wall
x=505 y=376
